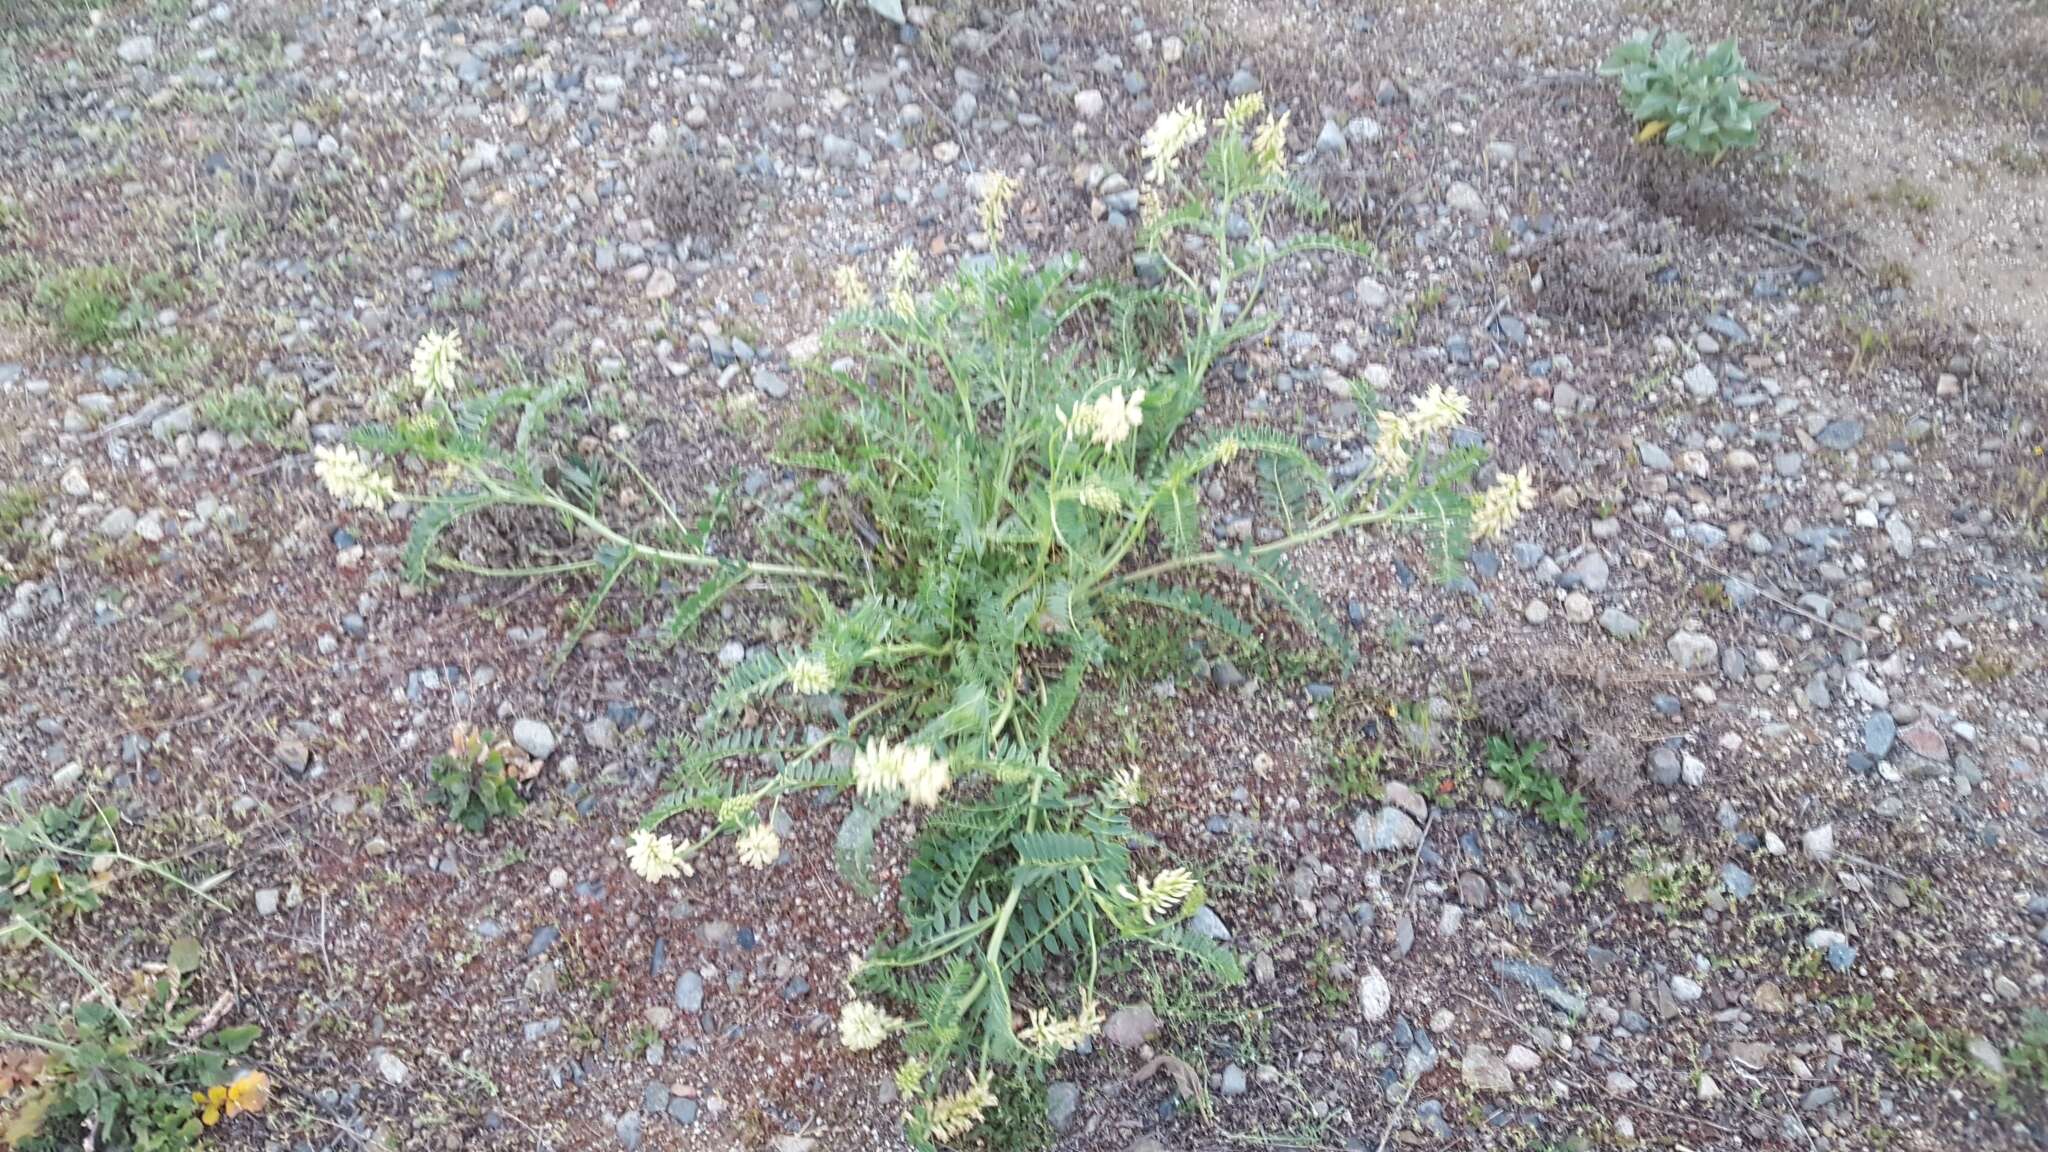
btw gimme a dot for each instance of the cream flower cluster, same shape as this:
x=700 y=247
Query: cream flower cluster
x=1110 y=418
x=1500 y=506
x=912 y=769
x=1054 y=1034
x=655 y=858
x=996 y=195
x=351 y=479
x=759 y=846
x=905 y=268
x=1173 y=133
x=952 y=1117
x=1161 y=894
x=434 y=361
x=1402 y=434
x=853 y=291
x=863 y=1027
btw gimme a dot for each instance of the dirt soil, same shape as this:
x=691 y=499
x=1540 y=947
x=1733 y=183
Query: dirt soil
x=1780 y=615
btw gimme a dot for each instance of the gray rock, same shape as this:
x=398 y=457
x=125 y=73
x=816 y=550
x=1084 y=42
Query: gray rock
x=1390 y=830
x=690 y=992
x=1693 y=651
x=266 y=901
x=1653 y=457
x=628 y=1131
x=1206 y=923
x=1485 y=1070
x=117 y=525
x=1131 y=1025
x=1234 y=1083
x=136 y=50
x=770 y=384
x=1701 y=383
x=1686 y=990
x=1841 y=435
x=1331 y=139
x=1619 y=624
x=1737 y=880
x=1062 y=1104
x=1464 y=199
x=534 y=738
x=389 y=1067
x=1589 y=573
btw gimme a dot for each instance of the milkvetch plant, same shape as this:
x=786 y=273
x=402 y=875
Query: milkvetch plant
x=998 y=465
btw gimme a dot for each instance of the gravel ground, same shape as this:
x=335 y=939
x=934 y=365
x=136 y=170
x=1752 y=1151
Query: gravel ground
x=1779 y=616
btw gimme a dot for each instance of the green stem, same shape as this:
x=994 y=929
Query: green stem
x=1284 y=544
x=14 y=1037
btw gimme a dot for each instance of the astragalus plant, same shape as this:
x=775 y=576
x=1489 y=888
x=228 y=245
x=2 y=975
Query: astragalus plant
x=997 y=465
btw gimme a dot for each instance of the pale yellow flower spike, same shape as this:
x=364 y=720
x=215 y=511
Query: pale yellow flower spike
x=1170 y=135
x=1269 y=147
x=809 y=676
x=350 y=479
x=952 y=1117
x=996 y=195
x=1241 y=110
x=1161 y=894
x=904 y=270
x=1436 y=411
x=434 y=361
x=1390 y=448
x=853 y=291
x=1501 y=505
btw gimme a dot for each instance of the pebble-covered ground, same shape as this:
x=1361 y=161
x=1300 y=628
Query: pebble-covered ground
x=1780 y=615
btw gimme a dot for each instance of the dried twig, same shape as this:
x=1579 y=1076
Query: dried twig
x=1725 y=574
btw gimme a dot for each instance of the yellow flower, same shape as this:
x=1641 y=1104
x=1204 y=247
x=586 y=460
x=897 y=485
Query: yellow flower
x=655 y=858
x=1438 y=410
x=952 y=1117
x=350 y=479
x=1269 y=146
x=922 y=776
x=1169 y=136
x=248 y=1092
x=1161 y=894
x=1501 y=505
x=1390 y=448
x=904 y=270
x=759 y=846
x=853 y=291
x=863 y=1027
x=1241 y=110
x=434 y=361
x=809 y=676
x=996 y=195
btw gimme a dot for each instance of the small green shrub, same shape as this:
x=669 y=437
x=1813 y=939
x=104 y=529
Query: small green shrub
x=477 y=780
x=1698 y=104
x=49 y=859
x=135 y=1072
x=1530 y=786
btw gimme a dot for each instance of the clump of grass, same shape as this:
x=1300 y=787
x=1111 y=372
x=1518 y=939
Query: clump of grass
x=1529 y=786
x=93 y=305
x=260 y=415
